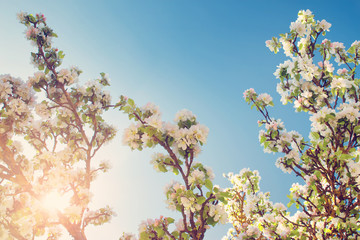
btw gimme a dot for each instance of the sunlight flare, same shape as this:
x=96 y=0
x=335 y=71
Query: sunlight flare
x=54 y=201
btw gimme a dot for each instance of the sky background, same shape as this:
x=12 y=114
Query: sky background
x=199 y=55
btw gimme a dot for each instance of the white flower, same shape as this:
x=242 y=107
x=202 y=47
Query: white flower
x=128 y=236
x=64 y=76
x=252 y=231
x=342 y=71
x=42 y=110
x=356 y=43
x=248 y=93
x=293 y=154
x=271 y=44
x=218 y=213
x=300 y=215
x=286 y=46
x=151 y=107
x=280 y=164
x=37 y=77
x=180 y=225
x=31 y=32
x=182 y=139
x=5 y=89
x=154 y=121
x=265 y=98
x=280 y=206
x=21 y=16
x=340 y=82
x=298 y=27
x=303 y=15
x=199 y=132
x=354 y=168
x=327 y=66
x=349 y=112
x=196 y=176
x=170 y=129
x=184 y=115
x=157 y=158
x=185 y=202
x=282 y=230
x=308 y=69
x=335 y=47
x=303 y=44
x=210 y=173
x=142 y=227
x=131 y=136
x=324 y=25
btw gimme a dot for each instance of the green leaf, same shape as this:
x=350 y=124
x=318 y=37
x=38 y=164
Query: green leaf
x=175 y=171
x=160 y=232
x=61 y=54
x=131 y=102
x=170 y=220
x=357 y=129
x=126 y=109
x=144 y=236
x=201 y=200
x=84 y=117
x=208 y=184
x=274 y=134
x=225 y=194
x=162 y=168
x=37 y=89
x=211 y=221
x=149 y=144
x=175 y=234
x=9 y=142
x=351 y=50
x=31 y=18
x=315 y=135
x=345 y=156
x=290 y=203
x=317 y=173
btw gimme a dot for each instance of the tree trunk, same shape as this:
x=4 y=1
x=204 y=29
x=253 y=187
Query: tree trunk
x=74 y=229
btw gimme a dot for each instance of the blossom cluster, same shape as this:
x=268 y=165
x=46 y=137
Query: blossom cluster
x=197 y=199
x=16 y=103
x=64 y=128
x=328 y=164
x=186 y=134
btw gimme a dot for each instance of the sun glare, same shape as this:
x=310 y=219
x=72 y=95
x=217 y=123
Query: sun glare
x=54 y=201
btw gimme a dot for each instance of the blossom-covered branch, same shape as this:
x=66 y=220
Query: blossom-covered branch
x=328 y=201
x=197 y=199
x=65 y=128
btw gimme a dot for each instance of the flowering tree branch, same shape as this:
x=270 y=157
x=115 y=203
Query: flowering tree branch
x=197 y=200
x=328 y=163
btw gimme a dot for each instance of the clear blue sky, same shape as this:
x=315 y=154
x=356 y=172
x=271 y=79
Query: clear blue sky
x=200 y=55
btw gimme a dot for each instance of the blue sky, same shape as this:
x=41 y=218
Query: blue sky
x=199 y=55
